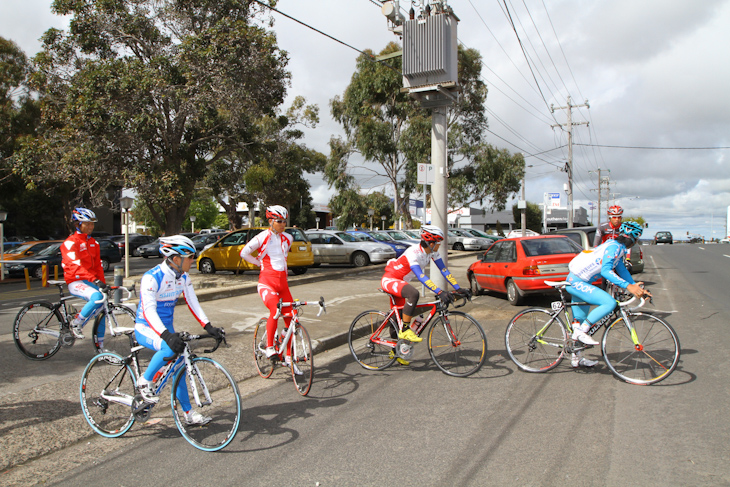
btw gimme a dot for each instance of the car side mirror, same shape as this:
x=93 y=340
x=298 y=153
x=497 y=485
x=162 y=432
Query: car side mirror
x=29 y=252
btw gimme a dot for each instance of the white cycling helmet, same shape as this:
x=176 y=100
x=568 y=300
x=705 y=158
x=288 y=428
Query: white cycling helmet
x=83 y=215
x=276 y=212
x=176 y=245
x=431 y=233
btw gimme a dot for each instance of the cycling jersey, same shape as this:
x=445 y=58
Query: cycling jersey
x=605 y=231
x=411 y=263
x=160 y=289
x=273 y=250
x=606 y=260
x=81 y=259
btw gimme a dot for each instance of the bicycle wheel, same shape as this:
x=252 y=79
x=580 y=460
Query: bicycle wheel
x=36 y=330
x=124 y=318
x=535 y=340
x=106 y=394
x=302 y=361
x=652 y=360
x=457 y=344
x=213 y=393
x=371 y=355
x=263 y=364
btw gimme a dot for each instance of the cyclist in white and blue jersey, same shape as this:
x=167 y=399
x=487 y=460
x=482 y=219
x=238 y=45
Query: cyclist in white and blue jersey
x=160 y=288
x=606 y=260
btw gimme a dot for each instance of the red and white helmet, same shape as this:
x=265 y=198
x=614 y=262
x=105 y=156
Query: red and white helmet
x=431 y=233
x=276 y=212
x=615 y=210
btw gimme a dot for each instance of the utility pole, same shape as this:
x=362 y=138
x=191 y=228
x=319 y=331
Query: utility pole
x=569 y=168
x=523 y=204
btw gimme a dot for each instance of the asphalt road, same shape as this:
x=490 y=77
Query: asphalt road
x=417 y=426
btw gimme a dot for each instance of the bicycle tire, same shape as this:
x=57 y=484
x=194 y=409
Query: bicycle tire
x=648 y=363
x=123 y=317
x=264 y=365
x=462 y=358
x=106 y=377
x=369 y=355
x=527 y=351
x=36 y=330
x=220 y=401
x=303 y=358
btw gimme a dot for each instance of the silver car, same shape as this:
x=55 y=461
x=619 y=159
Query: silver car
x=335 y=247
x=461 y=240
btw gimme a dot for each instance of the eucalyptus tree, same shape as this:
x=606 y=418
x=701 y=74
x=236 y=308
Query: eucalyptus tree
x=150 y=94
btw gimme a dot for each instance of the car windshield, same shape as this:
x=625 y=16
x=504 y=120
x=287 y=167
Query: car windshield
x=298 y=234
x=399 y=236
x=50 y=250
x=382 y=236
x=550 y=246
x=413 y=233
x=346 y=237
x=19 y=249
x=361 y=237
x=476 y=233
x=199 y=238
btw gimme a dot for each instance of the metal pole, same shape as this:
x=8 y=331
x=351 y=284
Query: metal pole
x=523 y=218
x=2 y=251
x=126 y=243
x=439 y=192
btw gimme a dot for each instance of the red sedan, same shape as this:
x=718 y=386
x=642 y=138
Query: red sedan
x=519 y=266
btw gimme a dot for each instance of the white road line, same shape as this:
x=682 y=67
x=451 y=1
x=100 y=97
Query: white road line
x=725 y=255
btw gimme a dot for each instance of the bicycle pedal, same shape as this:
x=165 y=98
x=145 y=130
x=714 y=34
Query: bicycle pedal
x=404 y=349
x=67 y=338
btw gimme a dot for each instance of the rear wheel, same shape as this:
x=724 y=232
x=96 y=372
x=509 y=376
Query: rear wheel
x=458 y=344
x=360 y=259
x=123 y=318
x=106 y=394
x=298 y=271
x=302 y=361
x=513 y=293
x=458 y=246
x=36 y=330
x=369 y=354
x=536 y=341
x=263 y=364
x=105 y=264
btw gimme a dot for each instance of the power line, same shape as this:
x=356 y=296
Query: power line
x=653 y=148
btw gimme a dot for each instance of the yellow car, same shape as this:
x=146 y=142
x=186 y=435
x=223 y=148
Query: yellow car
x=225 y=254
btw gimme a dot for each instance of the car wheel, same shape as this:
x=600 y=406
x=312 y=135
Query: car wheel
x=206 y=266
x=38 y=272
x=360 y=259
x=458 y=246
x=298 y=271
x=105 y=264
x=135 y=252
x=476 y=289
x=513 y=293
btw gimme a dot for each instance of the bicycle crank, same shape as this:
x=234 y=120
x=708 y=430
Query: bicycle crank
x=404 y=349
x=67 y=338
x=141 y=409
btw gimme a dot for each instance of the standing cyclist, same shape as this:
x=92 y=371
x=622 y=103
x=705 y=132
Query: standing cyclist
x=81 y=262
x=609 y=229
x=160 y=288
x=606 y=260
x=273 y=247
x=412 y=263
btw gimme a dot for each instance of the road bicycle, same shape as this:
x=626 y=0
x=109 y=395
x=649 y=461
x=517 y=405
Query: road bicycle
x=41 y=328
x=456 y=341
x=638 y=347
x=112 y=403
x=299 y=351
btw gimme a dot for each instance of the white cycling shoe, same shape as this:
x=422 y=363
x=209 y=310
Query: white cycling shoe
x=288 y=363
x=577 y=361
x=584 y=337
x=195 y=418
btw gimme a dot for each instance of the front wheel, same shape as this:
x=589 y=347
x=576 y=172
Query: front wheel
x=298 y=271
x=206 y=266
x=360 y=259
x=105 y=265
x=302 y=361
x=123 y=323
x=457 y=344
x=535 y=340
x=210 y=391
x=106 y=394
x=367 y=340
x=476 y=289
x=36 y=330
x=651 y=359
x=263 y=364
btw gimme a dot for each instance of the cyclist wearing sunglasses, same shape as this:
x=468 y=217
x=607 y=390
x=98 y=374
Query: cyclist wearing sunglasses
x=411 y=263
x=610 y=229
x=161 y=286
x=606 y=260
x=273 y=248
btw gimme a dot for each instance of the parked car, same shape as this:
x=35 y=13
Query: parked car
x=461 y=240
x=27 y=250
x=334 y=247
x=479 y=233
x=98 y=235
x=398 y=246
x=725 y=240
x=663 y=238
x=519 y=266
x=151 y=249
x=518 y=233
x=51 y=255
x=135 y=240
x=225 y=253
x=585 y=236
x=205 y=239
x=402 y=236
x=11 y=245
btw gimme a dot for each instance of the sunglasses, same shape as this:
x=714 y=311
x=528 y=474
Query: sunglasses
x=279 y=221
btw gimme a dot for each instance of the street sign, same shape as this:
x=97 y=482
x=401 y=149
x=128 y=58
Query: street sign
x=553 y=200
x=426 y=174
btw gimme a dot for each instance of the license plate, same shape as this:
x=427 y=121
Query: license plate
x=302 y=248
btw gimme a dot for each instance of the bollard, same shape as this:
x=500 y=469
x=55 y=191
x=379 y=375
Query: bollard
x=44 y=275
x=27 y=278
x=55 y=272
x=118 y=281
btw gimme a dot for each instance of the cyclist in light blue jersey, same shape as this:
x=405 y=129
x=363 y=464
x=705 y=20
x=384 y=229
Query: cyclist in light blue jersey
x=606 y=260
x=160 y=288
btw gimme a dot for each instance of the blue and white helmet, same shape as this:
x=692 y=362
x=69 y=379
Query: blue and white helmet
x=177 y=245
x=83 y=215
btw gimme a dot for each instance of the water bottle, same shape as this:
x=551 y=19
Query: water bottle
x=416 y=323
x=575 y=325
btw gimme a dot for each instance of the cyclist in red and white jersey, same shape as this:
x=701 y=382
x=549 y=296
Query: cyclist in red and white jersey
x=610 y=229
x=273 y=245
x=412 y=263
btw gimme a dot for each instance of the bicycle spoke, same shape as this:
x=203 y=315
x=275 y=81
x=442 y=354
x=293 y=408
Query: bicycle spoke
x=368 y=353
x=535 y=341
x=302 y=361
x=263 y=364
x=36 y=330
x=106 y=393
x=457 y=346
x=121 y=317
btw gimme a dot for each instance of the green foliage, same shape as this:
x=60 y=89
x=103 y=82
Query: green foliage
x=221 y=221
x=533 y=216
x=638 y=219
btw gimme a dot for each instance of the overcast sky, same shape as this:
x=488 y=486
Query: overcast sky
x=655 y=73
